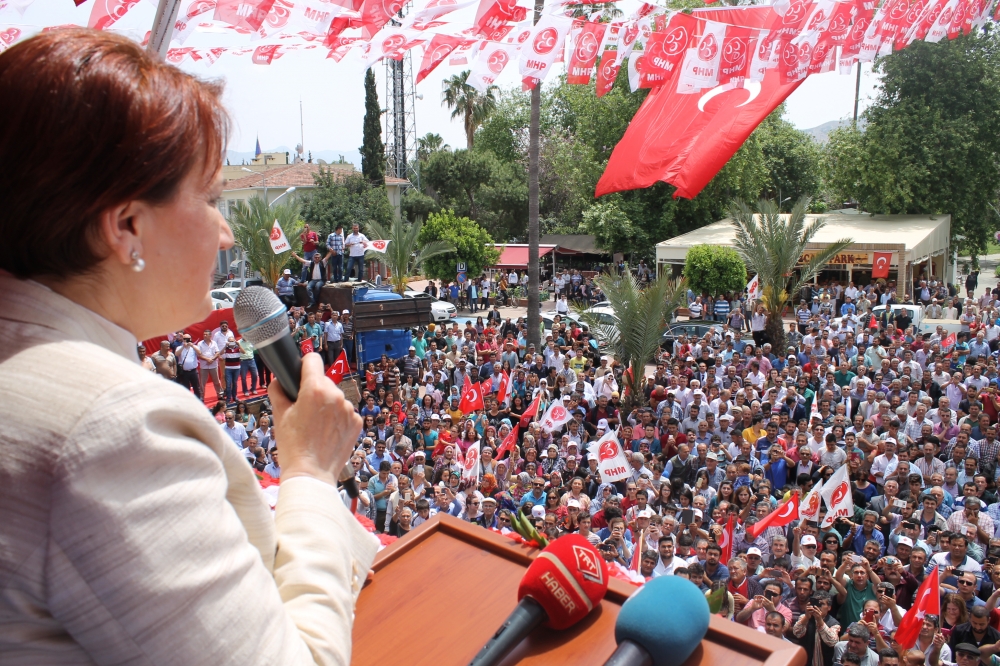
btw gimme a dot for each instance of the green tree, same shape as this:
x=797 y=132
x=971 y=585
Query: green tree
x=404 y=255
x=771 y=245
x=430 y=143
x=341 y=198
x=372 y=148
x=456 y=177
x=714 y=270
x=417 y=206
x=252 y=221
x=931 y=139
x=473 y=245
x=792 y=160
x=612 y=229
x=465 y=101
x=643 y=315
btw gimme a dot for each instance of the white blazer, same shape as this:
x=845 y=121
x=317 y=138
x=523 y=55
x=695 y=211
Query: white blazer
x=132 y=530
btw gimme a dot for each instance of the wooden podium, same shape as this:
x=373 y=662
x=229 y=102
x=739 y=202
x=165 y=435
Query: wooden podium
x=439 y=594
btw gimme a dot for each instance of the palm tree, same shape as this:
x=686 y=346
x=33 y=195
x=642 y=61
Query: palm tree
x=771 y=244
x=402 y=256
x=642 y=316
x=466 y=101
x=430 y=143
x=252 y=221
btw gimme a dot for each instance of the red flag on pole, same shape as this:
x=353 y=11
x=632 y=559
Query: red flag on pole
x=926 y=602
x=307 y=346
x=340 y=368
x=530 y=411
x=472 y=397
x=508 y=443
x=948 y=342
x=880 y=264
x=726 y=539
x=786 y=512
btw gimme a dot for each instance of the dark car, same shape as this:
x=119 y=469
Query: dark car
x=692 y=329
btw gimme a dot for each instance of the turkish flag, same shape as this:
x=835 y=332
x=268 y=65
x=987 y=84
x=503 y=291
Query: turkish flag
x=785 y=513
x=506 y=386
x=926 y=602
x=726 y=539
x=508 y=443
x=340 y=368
x=948 y=342
x=472 y=397
x=686 y=139
x=880 y=265
x=530 y=411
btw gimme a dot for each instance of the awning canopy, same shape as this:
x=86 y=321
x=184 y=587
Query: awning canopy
x=573 y=243
x=516 y=256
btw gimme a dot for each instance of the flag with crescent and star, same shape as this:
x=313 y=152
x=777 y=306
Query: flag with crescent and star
x=927 y=601
x=880 y=264
x=784 y=514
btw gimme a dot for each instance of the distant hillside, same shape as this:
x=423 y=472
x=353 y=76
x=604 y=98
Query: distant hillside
x=821 y=133
x=331 y=156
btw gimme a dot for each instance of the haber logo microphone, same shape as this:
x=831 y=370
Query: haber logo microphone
x=561 y=587
x=660 y=625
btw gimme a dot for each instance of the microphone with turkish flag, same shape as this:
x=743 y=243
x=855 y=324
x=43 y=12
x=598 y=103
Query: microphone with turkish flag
x=562 y=586
x=472 y=397
x=926 y=602
x=880 y=264
x=785 y=513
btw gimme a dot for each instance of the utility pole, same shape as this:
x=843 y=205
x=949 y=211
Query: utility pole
x=534 y=286
x=857 y=94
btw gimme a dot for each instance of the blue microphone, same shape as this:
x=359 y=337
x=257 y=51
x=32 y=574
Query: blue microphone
x=660 y=625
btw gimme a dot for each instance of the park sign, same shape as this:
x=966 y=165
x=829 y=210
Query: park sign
x=841 y=259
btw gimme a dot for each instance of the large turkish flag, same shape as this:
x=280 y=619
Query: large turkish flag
x=685 y=140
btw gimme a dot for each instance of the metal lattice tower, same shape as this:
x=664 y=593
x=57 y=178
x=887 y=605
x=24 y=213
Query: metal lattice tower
x=400 y=115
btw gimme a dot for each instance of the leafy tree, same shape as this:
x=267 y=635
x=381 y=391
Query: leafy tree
x=345 y=199
x=404 y=255
x=430 y=143
x=456 y=177
x=771 y=246
x=372 y=148
x=252 y=221
x=714 y=270
x=931 y=141
x=473 y=245
x=792 y=160
x=417 y=206
x=642 y=316
x=611 y=227
x=465 y=101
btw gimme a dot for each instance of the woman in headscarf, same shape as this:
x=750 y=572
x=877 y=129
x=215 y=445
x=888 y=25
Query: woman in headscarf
x=604 y=491
x=521 y=487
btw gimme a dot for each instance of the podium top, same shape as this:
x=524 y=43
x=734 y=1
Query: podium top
x=440 y=593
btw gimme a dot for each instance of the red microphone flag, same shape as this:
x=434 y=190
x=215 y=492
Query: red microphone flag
x=472 y=397
x=927 y=602
x=785 y=513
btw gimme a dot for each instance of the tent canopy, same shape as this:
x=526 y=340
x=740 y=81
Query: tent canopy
x=516 y=256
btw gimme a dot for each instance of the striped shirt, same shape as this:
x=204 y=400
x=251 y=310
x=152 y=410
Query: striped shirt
x=721 y=307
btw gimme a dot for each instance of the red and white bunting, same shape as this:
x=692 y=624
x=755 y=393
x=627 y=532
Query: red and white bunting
x=105 y=13
x=247 y=15
x=586 y=42
x=492 y=59
x=542 y=47
x=439 y=48
x=700 y=69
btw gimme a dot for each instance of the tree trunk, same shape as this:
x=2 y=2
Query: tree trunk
x=775 y=331
x=534 y=311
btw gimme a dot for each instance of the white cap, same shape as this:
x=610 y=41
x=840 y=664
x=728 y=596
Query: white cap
x=755 y=551
x=603 y=425
x=808 y=540
x=711 y=456
x=573 y=503
x=345 y=312
x=287 y=271
x=905 y=541
x=644 y=513
x=538 y=511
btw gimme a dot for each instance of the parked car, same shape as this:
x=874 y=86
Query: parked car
x=440 y=310
x=238 y=284
x=691 y=329
x=227 y=294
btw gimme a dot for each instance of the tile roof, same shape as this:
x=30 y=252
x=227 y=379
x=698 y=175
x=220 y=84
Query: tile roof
x=293 y=175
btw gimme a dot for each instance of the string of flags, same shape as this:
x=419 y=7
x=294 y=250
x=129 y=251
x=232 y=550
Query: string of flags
x=693 y=52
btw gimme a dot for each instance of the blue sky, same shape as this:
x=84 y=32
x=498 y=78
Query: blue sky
x=264 y=100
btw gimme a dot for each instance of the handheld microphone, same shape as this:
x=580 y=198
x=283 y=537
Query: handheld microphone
x=660 y=625
x=561 y=587
x=262 y=319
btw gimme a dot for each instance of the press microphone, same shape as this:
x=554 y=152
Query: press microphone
x=262 y=319
x=562 y=586
x=660 y=625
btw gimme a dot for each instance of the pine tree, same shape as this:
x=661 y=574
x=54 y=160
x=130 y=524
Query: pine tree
x=372 y=148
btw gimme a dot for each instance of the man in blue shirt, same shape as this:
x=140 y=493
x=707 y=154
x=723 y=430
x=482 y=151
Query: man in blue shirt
x=537 y=494
x=381 y=486
x=286 y=288
x=335 y=244
x=380 y=456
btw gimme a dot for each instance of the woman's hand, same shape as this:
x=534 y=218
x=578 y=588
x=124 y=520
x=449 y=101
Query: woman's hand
x=318 y=431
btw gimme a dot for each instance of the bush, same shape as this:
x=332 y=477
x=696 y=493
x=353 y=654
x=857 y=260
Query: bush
x=714 y=270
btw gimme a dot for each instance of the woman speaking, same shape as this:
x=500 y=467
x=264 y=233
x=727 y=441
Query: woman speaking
x=132 y=529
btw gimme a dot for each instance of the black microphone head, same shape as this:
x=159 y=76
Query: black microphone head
x=260 y=316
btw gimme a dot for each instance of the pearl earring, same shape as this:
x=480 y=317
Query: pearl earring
x=137 y=262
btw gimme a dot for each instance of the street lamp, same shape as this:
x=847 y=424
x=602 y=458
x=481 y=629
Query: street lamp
x=286 y=192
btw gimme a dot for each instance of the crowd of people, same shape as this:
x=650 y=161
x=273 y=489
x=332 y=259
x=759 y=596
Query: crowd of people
x=725 y=426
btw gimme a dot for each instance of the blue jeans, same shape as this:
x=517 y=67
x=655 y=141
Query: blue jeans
x=360 y=263
x=232 y=374
x=248 y=366
x=315 y=287
x=337 y=267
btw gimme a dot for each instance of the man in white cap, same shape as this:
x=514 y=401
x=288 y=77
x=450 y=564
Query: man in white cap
x=716 y=474
x=488 y=518
x=804 y=552
x=286 y=288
